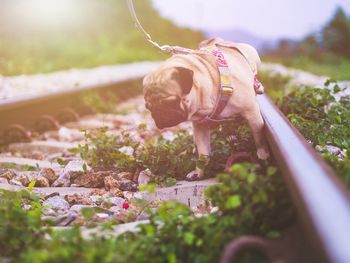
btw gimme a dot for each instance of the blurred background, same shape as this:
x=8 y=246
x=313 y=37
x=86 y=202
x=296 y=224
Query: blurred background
x=49 y=35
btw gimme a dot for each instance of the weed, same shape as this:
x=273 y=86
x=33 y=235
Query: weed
x=248 y=198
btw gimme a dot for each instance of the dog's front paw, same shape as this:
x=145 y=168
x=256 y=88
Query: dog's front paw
x=195 y=175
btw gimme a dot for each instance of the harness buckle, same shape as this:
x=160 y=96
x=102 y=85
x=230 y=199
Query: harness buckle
x=227 y=90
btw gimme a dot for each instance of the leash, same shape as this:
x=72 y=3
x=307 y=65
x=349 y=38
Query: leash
x=165 y=48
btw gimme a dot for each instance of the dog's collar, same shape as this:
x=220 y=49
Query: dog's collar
x=226 y=86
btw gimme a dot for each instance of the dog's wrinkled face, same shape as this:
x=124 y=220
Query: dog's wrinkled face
x=164 y=91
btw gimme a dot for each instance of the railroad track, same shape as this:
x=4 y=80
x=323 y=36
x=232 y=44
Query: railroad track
x=38 y=129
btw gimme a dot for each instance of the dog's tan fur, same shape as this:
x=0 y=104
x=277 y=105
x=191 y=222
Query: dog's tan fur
x=202 y=97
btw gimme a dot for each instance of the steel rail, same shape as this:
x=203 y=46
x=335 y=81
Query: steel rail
x=24 y=110
x=322 y=202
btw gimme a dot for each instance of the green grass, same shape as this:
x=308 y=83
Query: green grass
x=326 y=65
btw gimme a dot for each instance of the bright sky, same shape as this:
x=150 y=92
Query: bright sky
x=265 y=18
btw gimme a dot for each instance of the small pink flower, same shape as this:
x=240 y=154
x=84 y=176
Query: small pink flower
x=125 y=205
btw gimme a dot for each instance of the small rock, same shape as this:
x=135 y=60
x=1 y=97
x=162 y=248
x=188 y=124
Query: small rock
x=144 y=177
x=124 y=175
x=57 y=203
x=127 y=185
x=41 y=181
x=76 y=166
x=143 y=216
x=115 y=209
x=127 y=150
x=71 y=171
x=49 y=212
x=168 y=135
x=98 y=192
x=3 y=181
x=329 y=148
x=8 y=174
x=110 y=183
x=63 y=180
x=102 y=215
x=15 y=182
x=92 y=179
x=78 y=208
x=122 y=216
x=333 y=149
x=214 y=209
x=23 y=178
x=66 y=219
x=115 y=201
x=116 y=192
x=78 y=199
x=137 y=195
x=96 y=198
x=129 y=195
x=49 y=174
x=27 y=207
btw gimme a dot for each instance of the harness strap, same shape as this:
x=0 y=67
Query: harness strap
x=226 y=85
x=243 y=52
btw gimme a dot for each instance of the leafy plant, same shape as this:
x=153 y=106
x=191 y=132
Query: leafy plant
x=248 y=199
x=20 y=229
x=165 y=158
x=322 y=115
x=104 y=151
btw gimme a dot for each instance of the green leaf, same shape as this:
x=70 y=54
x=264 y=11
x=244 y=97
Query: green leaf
x=31 y=186
x=171 y=258
x=233 y=202
x=60 y=161
x=84 y=167
x=150 y=188
x=338 y=119
x=189 y=238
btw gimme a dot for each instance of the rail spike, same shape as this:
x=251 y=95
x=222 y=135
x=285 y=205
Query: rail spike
x=16 y=133
x=67 y=115
x=46 y=123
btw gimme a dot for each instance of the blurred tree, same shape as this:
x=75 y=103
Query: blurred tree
x=101 y=32
x=310 y=46
x=336 y=34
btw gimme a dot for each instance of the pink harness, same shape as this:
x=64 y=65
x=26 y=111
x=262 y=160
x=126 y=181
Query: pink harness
x=226 y=82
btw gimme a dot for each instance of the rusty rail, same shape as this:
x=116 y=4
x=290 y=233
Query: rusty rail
x=321 y=200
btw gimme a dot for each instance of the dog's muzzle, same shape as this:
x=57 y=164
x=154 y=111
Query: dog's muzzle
x=165 y=118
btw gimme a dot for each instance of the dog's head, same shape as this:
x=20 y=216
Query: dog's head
x=164 y=91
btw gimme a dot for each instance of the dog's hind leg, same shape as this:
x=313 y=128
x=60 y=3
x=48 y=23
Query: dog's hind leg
x=256 y=123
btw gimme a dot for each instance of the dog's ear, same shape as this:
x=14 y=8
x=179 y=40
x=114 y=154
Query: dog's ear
x=185 y=78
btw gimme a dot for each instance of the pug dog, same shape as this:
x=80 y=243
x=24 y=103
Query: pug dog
x=185 y=88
